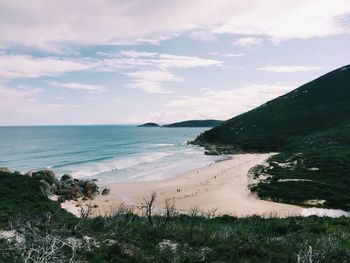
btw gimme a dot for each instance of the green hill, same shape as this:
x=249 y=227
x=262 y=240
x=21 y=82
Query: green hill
x=310 y=127
x=149 y=124
x=195 y=123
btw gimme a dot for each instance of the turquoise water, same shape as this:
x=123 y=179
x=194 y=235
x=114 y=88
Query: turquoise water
x=108 y=153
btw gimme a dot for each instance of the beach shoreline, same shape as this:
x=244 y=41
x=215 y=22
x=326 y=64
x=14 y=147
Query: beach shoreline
x=220 y=186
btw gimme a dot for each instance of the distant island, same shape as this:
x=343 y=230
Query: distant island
x=183 y=124
x=194 y=123
x=149 y=124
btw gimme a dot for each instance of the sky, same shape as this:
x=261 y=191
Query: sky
x=127 y=62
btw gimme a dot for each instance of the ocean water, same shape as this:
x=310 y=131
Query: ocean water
x=106 y=152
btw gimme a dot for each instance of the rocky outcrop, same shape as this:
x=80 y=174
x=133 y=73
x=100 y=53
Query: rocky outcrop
x=47 y=175
x=67 y=188
x=105 y=191
x=5 y=170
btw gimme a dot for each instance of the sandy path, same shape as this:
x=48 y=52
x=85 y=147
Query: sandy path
x=221 y=186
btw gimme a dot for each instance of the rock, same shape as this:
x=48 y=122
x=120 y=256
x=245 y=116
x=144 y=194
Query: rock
x=61 y=199
x=91 y=189
x=5 y=170
x=29 y=174
x=66 y=177
x=53 y=187
x=47 y=175
x=59 y=184
x=82 y=183
x=106 y=191
x=67 y=186
x=66 y=194
x=45 y=188
x=76 y=191
x=63 y=192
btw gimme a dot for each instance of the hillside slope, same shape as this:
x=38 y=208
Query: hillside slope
x=310 y=127
x=313 y=108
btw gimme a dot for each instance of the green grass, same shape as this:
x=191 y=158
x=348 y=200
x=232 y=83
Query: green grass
x=21 y=195
x=126 y=237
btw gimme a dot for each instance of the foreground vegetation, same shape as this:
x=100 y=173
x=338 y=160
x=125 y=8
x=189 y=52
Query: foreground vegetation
x=43 y=232
x=310 y=127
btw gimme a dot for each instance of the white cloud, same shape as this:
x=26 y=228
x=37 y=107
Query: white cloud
x=18 y=100
x=203 y=35
x=289 y=68
x=24 y=105
x=223 y=104
x=138 y=54
x=132 y=59
x=50 y=25
x=293 y=19
x=80 y=86
x=23 y=66
x=150 y=80
x=151 y=69
x=227 y=55
x=248 y=41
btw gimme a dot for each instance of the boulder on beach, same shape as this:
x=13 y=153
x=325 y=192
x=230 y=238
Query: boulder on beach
x=106 y=191
x=5 y=170
x=47 y=175
x=45 y=187
x=29 y=174
x=91 y=189
x=66 y=177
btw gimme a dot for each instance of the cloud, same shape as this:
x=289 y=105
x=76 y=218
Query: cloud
x=24 y=66
x=223 y=104
x=150 y=80
x=293 y=19
x=248 y=41
x=289 y=68
x=80 y=86
x=54 y=25
x=24 y=105
x=150 y=69
x=147 y=70
x=138 y=54
x=131 y=59
x=18 y=100
x=227 y=55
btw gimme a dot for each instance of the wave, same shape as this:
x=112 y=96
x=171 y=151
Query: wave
x=82 y=162
x=164 y=144
x=94 y=169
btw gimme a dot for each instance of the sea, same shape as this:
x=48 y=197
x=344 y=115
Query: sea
x=109 y=153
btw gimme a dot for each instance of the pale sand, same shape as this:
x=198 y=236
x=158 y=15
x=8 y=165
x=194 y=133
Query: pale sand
x=222 y=186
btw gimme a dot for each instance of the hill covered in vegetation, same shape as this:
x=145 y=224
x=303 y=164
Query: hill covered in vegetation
x=35 y=229
x=149 y=124
x=310 y=127
x=194 y=123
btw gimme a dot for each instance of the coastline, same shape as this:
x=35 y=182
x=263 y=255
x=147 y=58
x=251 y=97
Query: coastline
x=221 y=186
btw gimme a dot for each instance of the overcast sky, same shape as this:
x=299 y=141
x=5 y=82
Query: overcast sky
x=117 y=62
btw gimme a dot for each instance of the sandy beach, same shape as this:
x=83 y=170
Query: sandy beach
x=221 y=186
